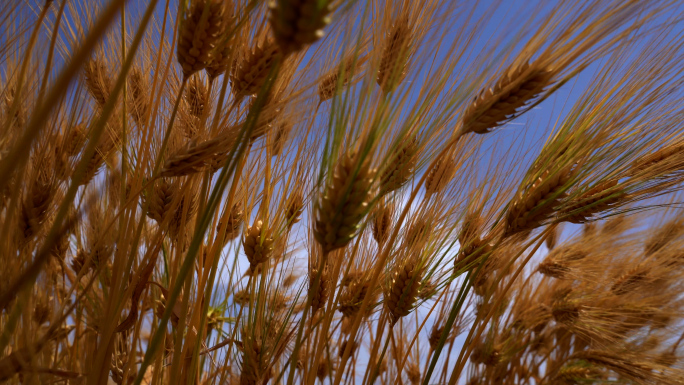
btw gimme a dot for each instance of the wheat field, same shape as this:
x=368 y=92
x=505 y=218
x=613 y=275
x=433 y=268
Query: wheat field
x=341 y=192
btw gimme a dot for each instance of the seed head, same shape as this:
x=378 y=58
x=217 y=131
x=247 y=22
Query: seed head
x=200 y=30
x=254 y=68
x=382 y=223
x=504 y=101
x=298 y=23
x=396 y=53
x=344 y=203
x=401 y=166
x=97 y=81
x=402 y=292
x=257 y=244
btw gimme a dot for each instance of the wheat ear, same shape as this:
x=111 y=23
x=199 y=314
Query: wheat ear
x=298 y=23
x=395 y=55
x=344 y=203
x=402 y=292
x=505 y=100
x=200 y=30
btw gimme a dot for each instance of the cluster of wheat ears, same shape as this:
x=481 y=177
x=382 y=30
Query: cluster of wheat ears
x=333 y=191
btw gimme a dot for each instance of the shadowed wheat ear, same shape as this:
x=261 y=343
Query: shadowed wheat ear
x=631 y=281
x=341 y=207
x=280 y=136
x=253 y=69
x=295 y=208
x=329 y=83
x=538 y=203
x=440 y=175
x=401 y=166
x=353 y=295
x=320 y=295
x=382 y=222
x=505 y=100
x=402 y=292
x=396 y=53
x=161 y=199
x=223 y=57
x=200 y=30
x=36 y=204
x=576 y=374
x=194 y=156
x=197 y=96
x=255 y=352
x=139 y=92
x=298 y=23
x=257 y=244
x=184 y=213
x=97 y=81
x=234 y=222
x=472 y=246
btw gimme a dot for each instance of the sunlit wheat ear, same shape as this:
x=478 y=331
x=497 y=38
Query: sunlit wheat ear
x=257 y=244
x=344 y=202
x=440 y=175
x=494 y=106
x=402 y=292
x=382 y=222
x=598 y=199
x=320 y=296
x=140 y=108
x=97 y=81
x=254 y=68
x=668 y=158
x=298 y=23
x=197 y=96
x=401 y=165
x=396 y=52
x=533 y=207
x=329 y=83
x=200 y=30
